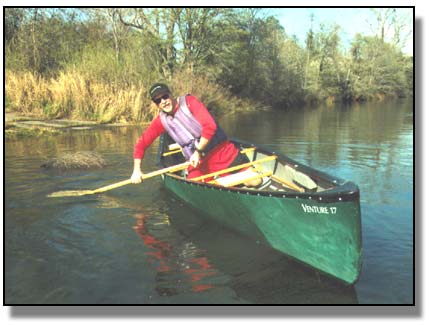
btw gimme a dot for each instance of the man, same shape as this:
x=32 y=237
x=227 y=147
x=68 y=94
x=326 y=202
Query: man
x=188 y=122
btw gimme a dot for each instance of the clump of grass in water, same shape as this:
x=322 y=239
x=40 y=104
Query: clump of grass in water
x=77 y=160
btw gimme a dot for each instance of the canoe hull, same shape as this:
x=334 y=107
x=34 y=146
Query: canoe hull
x=325 y=234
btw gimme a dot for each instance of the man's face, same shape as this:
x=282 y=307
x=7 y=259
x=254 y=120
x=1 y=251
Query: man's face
x=164 y=101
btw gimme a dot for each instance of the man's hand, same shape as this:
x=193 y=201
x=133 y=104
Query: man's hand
x=195 y=159
x=136 y=177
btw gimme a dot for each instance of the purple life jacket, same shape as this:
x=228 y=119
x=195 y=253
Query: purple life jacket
x=185 y=130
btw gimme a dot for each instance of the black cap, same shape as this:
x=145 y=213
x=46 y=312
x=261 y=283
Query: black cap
x=157 y=89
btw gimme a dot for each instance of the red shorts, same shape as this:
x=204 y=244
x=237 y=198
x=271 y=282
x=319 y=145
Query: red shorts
x=221 y=157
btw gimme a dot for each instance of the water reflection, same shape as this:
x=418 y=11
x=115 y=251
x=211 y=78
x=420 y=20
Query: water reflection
x=181 y=267
x=329 y=136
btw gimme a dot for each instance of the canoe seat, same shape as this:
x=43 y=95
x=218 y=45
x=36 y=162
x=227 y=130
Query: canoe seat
x=240 y=177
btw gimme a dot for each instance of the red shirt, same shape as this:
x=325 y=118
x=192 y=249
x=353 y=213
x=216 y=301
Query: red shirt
x=219 y=158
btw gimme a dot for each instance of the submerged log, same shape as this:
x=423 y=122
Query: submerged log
x=76 y=160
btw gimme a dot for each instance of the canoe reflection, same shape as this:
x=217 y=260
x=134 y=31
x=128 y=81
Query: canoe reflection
x=179 y=269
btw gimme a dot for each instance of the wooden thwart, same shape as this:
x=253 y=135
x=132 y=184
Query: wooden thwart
x=168 y=153
x=246 y=150
x=228 y=170
x=240 y=178
x=289 y=184
x=250 y=175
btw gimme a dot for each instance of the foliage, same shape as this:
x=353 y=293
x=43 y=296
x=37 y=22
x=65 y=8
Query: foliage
x=379 y=68
x=98 y=63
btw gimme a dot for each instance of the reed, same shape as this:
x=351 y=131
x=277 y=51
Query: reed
x=76 y=96
x=26 y=93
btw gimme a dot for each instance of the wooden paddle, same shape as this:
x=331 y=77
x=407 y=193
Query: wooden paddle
x=170 y=169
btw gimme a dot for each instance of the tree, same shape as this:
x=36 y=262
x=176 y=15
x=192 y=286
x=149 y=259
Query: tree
x=157 y=28
x=196 y=30
x=378 y=68
x=322 y=74
x=250 y=54
x=13 y=20
x=392 y=25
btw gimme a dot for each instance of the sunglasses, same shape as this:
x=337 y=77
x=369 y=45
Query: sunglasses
x=158 y=100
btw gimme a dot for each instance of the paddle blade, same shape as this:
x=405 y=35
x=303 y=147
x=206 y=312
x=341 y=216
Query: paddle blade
x=70 y=193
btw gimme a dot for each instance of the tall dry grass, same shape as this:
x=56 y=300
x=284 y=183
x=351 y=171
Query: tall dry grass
x=25 y=93
x=73 y=95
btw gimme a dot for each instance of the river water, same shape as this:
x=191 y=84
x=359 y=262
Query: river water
x=140 y=245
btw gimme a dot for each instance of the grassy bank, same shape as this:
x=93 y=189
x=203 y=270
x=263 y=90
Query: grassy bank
x=73 y=95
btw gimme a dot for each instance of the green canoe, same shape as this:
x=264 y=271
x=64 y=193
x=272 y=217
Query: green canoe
x=299 y=211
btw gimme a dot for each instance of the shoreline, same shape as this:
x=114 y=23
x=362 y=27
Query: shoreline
x=21 y=125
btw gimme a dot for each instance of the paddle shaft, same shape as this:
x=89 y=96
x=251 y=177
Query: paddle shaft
x=170 y=169
x=111 y=187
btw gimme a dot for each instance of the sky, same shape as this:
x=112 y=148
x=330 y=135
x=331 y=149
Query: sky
x=297 y=21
